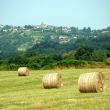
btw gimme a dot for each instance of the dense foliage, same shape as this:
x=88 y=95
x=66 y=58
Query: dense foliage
x=46 y=46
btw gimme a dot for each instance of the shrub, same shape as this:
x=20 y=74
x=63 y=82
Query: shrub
x=71 y=62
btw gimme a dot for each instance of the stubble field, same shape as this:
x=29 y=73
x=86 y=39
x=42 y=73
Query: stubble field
x=27 y=93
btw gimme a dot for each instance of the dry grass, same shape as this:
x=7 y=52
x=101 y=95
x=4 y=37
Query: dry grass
x=26 y=93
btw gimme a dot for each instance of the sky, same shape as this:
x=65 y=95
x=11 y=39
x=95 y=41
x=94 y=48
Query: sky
x=77 y=13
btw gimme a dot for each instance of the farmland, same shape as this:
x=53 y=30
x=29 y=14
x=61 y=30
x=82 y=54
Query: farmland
x=27 y=93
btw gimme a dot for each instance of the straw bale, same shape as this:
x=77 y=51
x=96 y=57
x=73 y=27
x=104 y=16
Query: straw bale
x=91 y=82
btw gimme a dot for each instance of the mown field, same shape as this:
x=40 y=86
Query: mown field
x=27 y=93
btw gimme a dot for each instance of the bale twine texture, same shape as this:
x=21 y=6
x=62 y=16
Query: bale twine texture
x=23 y=71
x=91 y=82
x=52 y=80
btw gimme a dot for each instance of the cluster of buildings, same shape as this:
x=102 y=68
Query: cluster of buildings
x=42 y=26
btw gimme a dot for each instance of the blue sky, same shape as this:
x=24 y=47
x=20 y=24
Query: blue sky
x=78 y=13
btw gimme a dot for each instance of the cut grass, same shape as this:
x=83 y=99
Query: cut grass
x=27 y=93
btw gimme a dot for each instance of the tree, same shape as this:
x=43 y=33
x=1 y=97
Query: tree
x=19 y=60
x=74 y=30
x=84 y=52
x=28 y=26
x=99 y=56
x=108 y=50
x=86 y=31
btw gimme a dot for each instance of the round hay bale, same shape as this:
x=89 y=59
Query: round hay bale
x=52 y=80
x=91 y=82
x=23 y=71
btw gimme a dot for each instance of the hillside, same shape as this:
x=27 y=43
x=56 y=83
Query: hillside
x=47 y=38
x=45 y=46
x=17 y=40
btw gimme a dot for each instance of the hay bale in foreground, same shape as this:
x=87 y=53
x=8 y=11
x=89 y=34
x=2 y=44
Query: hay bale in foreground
x=91 y=82
x=52 y=80
x=23 y=71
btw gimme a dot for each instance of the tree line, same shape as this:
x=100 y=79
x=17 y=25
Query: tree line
x=84 y=55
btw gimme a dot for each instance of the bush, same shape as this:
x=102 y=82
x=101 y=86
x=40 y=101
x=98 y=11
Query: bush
x=34 y=66
x=84 y=52
x=71 y=62
x=99 y=56
x=107 y=61
x=13 y=67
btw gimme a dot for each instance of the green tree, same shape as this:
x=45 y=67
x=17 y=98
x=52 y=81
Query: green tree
x=19 y=60
x=74 y=30
x=99 y=56
x=84 y=52
x=108 y=50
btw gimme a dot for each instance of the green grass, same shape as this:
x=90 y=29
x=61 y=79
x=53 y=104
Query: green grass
x=27 y=93
x=37 y=34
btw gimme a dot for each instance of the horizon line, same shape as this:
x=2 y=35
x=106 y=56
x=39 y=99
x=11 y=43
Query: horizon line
x=79 y=27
